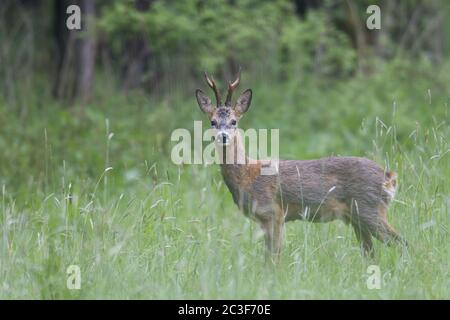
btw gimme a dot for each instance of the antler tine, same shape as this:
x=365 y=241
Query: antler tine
x=212 y=85
x=231 y=86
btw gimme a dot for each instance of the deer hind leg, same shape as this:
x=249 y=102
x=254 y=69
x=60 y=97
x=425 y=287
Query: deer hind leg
x=273 y=227
x=384 y=232
x=364 y=238
x=369 y=221
x=360 y=220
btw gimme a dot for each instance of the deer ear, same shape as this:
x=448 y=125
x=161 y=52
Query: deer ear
x=243 y=102
x=204 y=102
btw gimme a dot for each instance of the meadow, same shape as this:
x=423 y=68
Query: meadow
x=94 y=186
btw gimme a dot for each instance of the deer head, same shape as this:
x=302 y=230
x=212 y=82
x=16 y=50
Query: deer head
x=224 y=118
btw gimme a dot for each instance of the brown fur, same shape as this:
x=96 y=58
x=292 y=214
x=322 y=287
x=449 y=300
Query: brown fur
x=352 y=189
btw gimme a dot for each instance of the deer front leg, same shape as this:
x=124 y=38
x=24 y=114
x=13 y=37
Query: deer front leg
x=273 y=228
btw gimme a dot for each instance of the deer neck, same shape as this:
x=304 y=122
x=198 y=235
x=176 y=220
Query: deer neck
x=238 y=170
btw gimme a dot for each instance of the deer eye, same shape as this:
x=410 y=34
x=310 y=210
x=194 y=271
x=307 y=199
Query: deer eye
x=213 y=123
x=233 y=122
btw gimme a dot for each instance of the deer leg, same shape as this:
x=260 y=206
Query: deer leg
x=365 y=239
x=360 y=220
x=273 y=228
x=383 y=231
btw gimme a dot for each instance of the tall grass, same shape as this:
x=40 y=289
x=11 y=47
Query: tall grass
x=97 y=189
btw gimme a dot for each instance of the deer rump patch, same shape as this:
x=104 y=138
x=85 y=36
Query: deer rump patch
x=390 y=185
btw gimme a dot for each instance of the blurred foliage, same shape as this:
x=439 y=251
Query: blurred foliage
x=214 y=35
x=93 y=184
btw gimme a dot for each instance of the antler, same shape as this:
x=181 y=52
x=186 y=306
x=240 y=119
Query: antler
x=231 y=86
x=213 y=86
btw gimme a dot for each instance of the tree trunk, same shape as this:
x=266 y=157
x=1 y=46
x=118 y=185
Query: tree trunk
x=138 y=54
x=86 y=52
x=75 y=51
x=359 y=30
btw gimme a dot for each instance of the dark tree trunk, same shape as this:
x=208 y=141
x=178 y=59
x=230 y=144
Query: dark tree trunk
x=138 y=54
x=359 y=32
x=86 y=52
x=302 y=6
x=75 y=52
x=61 y=35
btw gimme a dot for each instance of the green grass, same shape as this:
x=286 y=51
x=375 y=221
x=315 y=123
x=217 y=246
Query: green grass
x=149 y=229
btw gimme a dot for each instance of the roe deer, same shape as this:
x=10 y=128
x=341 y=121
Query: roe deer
x=353 y=189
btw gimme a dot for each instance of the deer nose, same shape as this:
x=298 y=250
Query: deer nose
x=223 y=137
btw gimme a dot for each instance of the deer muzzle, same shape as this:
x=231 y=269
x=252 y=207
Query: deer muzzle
x=223 y=138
